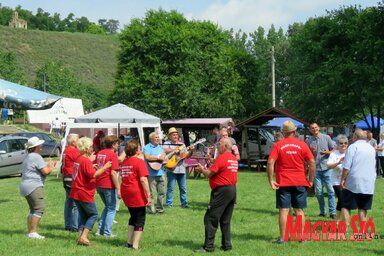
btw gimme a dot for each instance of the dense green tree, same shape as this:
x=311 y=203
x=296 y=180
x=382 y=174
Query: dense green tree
x=260 y=46
x=336 y=71
x=56 y=79
x=96 y=29
x=10 y=69
x=5 y=15
x=175 y=68
x=112 y=26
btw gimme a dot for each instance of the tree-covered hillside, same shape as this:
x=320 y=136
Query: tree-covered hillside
x=92 y=58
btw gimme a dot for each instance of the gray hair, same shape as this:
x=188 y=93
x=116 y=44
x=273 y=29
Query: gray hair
x=72 y=137
x=341 y=138
x=227 y=143
x=153 y=134
x=359 y=134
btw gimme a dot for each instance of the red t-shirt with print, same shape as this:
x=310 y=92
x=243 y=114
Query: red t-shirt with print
x=132 y=192
x=225 y=168
x=83 y=184
x=70 y=155
x=104 y=156
x=290 y=155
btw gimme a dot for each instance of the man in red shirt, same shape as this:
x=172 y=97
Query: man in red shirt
x=289 y=157
x=70 y=154
x=222 y=179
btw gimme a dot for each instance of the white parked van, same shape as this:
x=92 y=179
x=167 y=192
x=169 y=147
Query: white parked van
x=256 y=143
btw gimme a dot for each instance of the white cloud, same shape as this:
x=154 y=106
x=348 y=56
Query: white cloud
x=248 y=15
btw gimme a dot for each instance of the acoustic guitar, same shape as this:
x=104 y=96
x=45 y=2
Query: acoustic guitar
x=174 y=159
x=156 y=165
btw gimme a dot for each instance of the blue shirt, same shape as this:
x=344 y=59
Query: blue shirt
x=360 y=160
x=152 y=150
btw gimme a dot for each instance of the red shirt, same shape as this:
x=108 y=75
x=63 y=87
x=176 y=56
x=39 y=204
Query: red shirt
x=69 y=157
x=225 y=168
x=83 y=184
x=104 y=156
x=290 y=155
x=132 y=192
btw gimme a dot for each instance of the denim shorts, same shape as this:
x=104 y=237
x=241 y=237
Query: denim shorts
x=287 y=197
x=353 y=201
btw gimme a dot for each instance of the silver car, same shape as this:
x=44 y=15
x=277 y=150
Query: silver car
x=12 y=154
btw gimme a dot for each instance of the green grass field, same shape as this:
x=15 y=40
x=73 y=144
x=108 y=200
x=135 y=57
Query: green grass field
x=178 y=231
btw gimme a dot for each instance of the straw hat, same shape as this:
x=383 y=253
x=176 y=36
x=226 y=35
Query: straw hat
x=33 y=142
x=288 y=126
x=172 y=130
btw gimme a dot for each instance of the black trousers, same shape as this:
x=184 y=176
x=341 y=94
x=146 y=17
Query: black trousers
x=338 y=195
x=219 y=210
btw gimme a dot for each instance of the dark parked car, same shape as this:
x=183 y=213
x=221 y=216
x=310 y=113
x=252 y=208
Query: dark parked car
x=50 y=146
x=12 y=154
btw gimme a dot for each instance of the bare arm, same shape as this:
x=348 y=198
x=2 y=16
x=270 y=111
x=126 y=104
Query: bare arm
x=270 y=171
x=144 y=184
x=204 y=170
x=344 y=178
x=102 y=169
x=151 y=158
x=122 y=157
x=48 y=168
x=115 y=180
x=311 y=170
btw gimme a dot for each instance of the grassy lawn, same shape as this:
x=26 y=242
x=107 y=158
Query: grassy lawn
x=178 y=231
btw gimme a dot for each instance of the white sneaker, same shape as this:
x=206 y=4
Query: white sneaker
x=34 y=235
x=110 y=236
x=114 y=222
x=98 y=232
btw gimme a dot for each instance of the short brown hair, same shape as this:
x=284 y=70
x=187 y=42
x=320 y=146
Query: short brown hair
x=131 y=147
x=110 y=140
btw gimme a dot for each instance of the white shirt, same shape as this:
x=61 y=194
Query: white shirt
x=360 y=160
x=56 y=124
x=335 y=157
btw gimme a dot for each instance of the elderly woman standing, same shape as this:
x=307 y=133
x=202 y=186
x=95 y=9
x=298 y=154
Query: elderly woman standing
x=83 y=188
x=135 y=191
x=32 y=184
x=335 y=162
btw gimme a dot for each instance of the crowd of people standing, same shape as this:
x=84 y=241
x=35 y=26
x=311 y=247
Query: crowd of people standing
x=137 y=177
x=348 y=173
x=90 y=166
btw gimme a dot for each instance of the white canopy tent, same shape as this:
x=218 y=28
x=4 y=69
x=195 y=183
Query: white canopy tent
x=116 y=116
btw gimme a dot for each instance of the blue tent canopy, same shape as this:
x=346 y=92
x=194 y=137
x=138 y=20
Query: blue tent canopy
x=278 y=122
x=21 y=97
x=362 y=124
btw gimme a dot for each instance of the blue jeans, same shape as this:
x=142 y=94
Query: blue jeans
x=87 y=214
x=324 y=178
x=182 y=183
x=108 y=196
x=71 y=214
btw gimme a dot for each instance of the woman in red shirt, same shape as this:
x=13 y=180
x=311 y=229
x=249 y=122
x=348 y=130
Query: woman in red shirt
x=135 y=191
x=83 y=188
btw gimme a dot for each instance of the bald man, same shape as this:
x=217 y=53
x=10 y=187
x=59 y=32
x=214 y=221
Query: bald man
x=222 y=179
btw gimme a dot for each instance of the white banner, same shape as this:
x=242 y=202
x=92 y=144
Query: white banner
x=65 y=109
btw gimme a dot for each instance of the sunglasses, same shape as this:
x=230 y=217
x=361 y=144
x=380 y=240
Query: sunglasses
x=343 y=143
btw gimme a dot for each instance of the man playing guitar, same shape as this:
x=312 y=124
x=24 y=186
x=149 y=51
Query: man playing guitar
x=154 y=156
x=178 y=172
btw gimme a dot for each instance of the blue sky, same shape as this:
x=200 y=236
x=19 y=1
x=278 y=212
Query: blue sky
x=246 y=15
